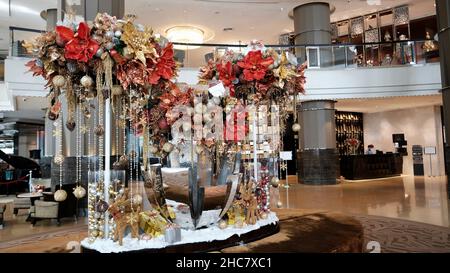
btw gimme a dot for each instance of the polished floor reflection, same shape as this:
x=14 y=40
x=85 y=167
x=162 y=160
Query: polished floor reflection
x=420 y=199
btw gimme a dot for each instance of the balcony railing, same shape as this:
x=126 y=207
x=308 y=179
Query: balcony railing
x=337 y=56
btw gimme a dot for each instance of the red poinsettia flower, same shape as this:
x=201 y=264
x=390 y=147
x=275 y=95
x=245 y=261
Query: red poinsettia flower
x=226 y=74
x=165 y=66
x=78 y=46
x=255 y=66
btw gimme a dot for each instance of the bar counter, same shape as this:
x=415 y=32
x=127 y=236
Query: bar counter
x=356 y=167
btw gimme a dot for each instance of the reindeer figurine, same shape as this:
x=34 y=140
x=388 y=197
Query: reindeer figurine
x=125 y=215
x=250 y=202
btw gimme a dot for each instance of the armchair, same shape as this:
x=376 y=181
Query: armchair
x=44 y=210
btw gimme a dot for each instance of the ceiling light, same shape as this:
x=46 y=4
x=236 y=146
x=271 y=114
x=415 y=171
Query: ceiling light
x=185 y=34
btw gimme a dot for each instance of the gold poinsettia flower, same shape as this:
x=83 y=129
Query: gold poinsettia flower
x=138 y=42
x=283 y=71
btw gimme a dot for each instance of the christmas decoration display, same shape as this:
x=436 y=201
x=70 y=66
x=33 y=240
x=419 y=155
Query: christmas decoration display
x=226 y=130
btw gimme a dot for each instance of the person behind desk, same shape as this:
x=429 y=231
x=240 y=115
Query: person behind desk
x=370 y=150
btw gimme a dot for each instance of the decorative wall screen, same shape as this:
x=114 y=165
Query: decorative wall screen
x=357 y=26
x=401 y=15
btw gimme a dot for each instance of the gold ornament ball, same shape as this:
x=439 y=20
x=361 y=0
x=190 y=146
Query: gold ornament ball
x=275 y=182
x=137 y=199
x=79 y=192
x=58 y=159
x=86 y=81
x=264 y=215
x=117 y=90
x=223 y=224
x=153 y=149
x=58 y=81
x=60 y=195
x=168 y=147
x=94 y=233
x=296 y=127
x=279 y=204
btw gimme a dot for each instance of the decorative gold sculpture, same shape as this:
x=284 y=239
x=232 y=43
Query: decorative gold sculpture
x=429 y=45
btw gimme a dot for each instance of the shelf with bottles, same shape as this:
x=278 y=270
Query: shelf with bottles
x=349 y=126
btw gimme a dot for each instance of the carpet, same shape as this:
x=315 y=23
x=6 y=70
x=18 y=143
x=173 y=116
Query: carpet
x=400 y=236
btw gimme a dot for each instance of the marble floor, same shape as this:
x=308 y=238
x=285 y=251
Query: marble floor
x=419 y=199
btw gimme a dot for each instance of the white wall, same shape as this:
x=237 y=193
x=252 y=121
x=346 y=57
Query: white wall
x=421 y=126
x=373 y=82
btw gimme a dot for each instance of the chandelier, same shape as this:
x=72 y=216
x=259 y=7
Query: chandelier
x=185 y=34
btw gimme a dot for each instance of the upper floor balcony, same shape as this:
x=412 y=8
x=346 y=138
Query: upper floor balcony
x=338 y=71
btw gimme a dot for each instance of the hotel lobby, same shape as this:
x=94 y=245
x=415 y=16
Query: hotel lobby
x=196 y=126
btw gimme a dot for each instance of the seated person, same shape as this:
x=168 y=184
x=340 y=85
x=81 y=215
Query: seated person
x=370 y=150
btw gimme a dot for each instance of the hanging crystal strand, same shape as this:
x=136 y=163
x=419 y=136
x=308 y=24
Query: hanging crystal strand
x=113 y=189
x=132 y=158
x=78 y=144
x=136 y=162
x=91 y=192
x=60 y=130
x=124 y=136
x=101 y=182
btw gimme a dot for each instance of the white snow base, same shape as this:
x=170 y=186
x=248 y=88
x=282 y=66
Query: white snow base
x=188 y=234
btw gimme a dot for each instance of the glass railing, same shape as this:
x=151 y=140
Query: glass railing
x=21 y=41
x=335 y=56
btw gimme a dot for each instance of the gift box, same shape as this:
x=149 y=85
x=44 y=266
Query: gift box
x=172 y=234
x=152 y=223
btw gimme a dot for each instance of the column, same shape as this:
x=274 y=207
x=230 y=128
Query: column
x=443 y=15
x=51 y=16
x=312 y=27
x=318 y=158
x=88 y=9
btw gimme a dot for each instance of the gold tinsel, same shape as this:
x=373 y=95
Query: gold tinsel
x=108 y=76
x=71 y=100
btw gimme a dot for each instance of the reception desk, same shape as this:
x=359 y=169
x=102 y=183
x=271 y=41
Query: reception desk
x=355 y=167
